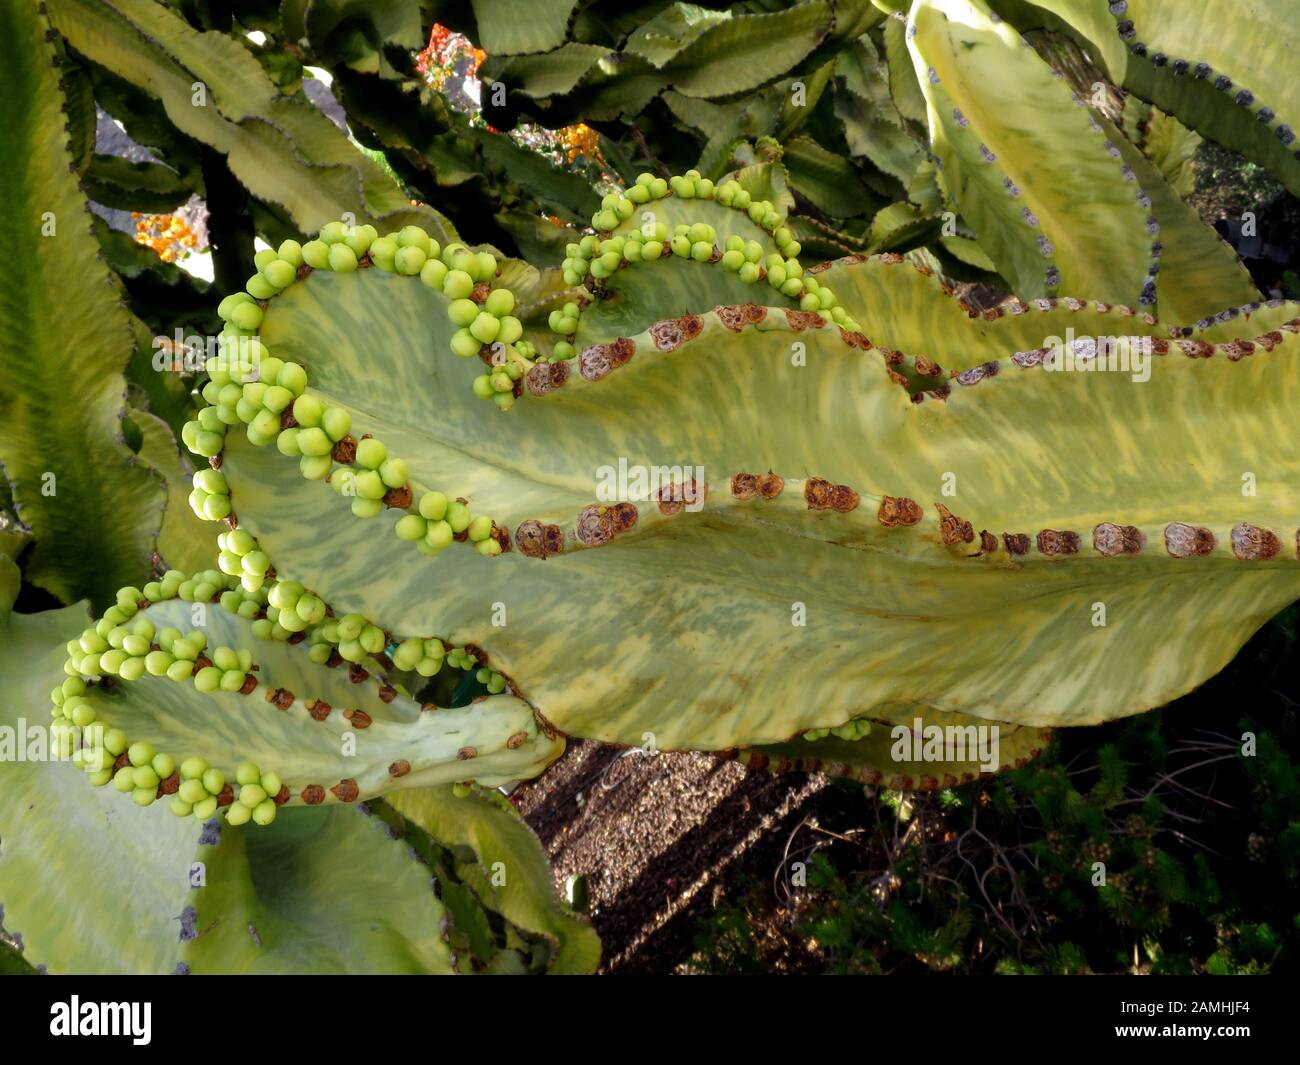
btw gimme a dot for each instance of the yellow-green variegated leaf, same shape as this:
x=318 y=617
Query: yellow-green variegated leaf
x=317 y=893
x=66 y=341
x=509 y=872
x=746 y=620
x=908 y=748
x=1024 y=163
x=1217 y=66
x=318 y=728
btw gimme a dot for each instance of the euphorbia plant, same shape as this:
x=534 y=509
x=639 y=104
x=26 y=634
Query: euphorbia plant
x=873 y=507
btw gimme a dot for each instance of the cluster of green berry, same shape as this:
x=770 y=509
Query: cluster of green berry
x=424 y=656
x=240 y=557
x=254 y=390
x=439 y=520
x=129 y=652
x=352 y=636
x=509 y=364
x=564 y=321
x=850 y=730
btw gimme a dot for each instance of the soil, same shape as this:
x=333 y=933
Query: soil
x=662 y=837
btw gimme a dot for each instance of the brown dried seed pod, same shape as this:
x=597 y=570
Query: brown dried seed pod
x=988 y=542
x=296 y=637
x=358 y=718
x=732 y=317
x=1250 y=543
x=927 y=367
x=754 y=313
x=287 y=420
x=892 y=357
x=898 y=510
x=249 y=686
x=466 y=753
x=1269 y=340
x=952 y=529
x=346 y=790
x=770 y=485
x=1111 y=540
x=744 y=485
x=319 y=709
x=855 y=340
x=1237 y=349
x=1196 y=349
x=387 y=693
x=169 y=786
x=1187 y=541
x=1016 y=543
x=399 y=768
x=282 y=796
x=356 y=674
x=345 y=451
x=313 y=795
x=398 y=498
x=1058 y=542
x=227 y=796
x=817 y=493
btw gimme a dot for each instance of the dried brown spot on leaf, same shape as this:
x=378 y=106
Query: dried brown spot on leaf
x=280 y=697
x=1186 y=541
x=466 y=753
x=319 y=709
x=673 y=498
x=744 y=485
x=770 y=485
x=927 y=367
x=732 y=317
x=898 y=510
x=988 y=542
x=754 y=313
x=1111 y=540
x=399 y=768
x=691 y=325
x=313 y=795
x=817 y=493
x=546 y=377
x=1250 y=543
x=624 y=516
x=855 y=340
x=891 y=357
x=844 y=499
x=346 y=790
x=804 y=319
x=1029 y=359
x=529 y=538
x=358 y=718
x=1196 y=349
x=976 y=374
x=622 y=350
x=1237 y=349
x=517 y=740
x=595 y=362
x=952 y=529
x=667 y=335
x=595 y=525
x=1269 y=340
x=1016 y=543
x=1058 y=542
x=553 y=539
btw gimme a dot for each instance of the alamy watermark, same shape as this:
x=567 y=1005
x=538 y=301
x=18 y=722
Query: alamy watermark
x=1099 y=354
x=631 y=483
x=920 y=742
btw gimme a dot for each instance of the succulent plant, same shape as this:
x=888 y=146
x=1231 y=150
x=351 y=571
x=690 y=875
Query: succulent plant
x=683 y=487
